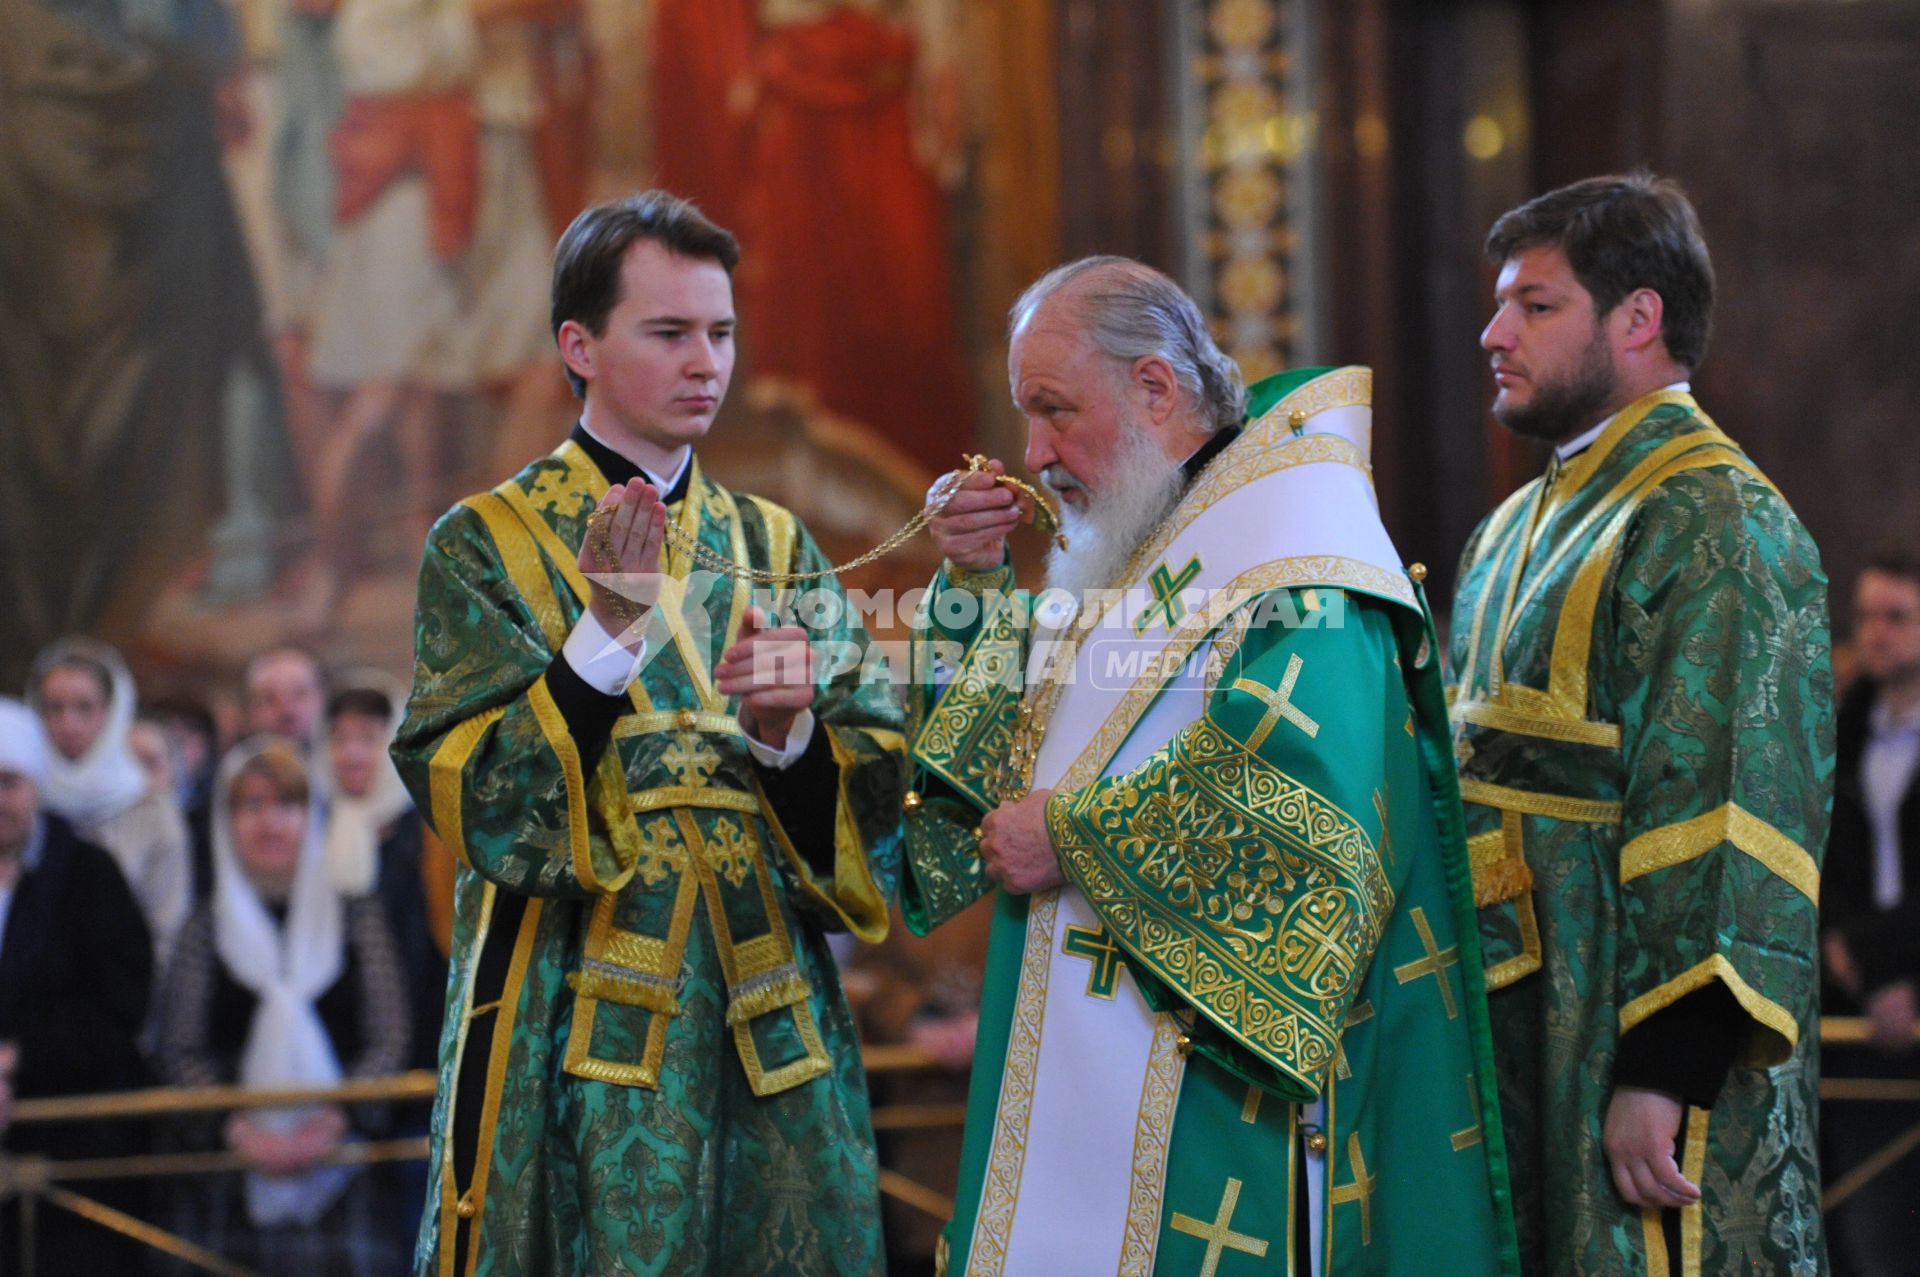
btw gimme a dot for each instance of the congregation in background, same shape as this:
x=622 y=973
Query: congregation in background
x=178 y=910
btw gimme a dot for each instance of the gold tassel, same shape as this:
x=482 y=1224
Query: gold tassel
x=1502 y=880
x=785 y=991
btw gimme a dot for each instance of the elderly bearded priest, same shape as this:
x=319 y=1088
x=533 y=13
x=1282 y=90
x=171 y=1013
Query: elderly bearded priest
x=1232 y=1019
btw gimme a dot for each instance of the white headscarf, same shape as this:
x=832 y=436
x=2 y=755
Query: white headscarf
x=23 y=742
x=354 y=824
x=288 y=968
x=107 y=779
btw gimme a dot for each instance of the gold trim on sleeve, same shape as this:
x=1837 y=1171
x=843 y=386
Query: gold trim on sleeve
x=446 y=772
x=560 y=740
x=1672 y=845
x=1766 y=1012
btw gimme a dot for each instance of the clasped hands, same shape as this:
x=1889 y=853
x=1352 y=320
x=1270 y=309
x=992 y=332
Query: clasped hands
x=277 y=1152
x=770 y=667
x=1015 y=847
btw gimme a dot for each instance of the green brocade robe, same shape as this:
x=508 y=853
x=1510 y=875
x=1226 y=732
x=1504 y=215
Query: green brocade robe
x=1643 y=722
x=648 y=1064
x=1286 y=888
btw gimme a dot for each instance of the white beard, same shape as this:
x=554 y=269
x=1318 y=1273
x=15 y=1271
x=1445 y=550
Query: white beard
x=1141 y=491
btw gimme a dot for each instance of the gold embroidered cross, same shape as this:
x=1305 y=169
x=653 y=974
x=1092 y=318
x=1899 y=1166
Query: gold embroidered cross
x=729 y=849
x=1358 y=1189
x=1464 y=1140
x=661 y=851
x=1096 y=946
x=1166 y=585
x=1219 y=1235
x=1279 y=703
x=1435 y=964
x=1361 y=1013
x=691 y=760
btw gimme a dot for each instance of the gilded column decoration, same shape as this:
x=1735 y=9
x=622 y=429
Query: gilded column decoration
x=1249 y=136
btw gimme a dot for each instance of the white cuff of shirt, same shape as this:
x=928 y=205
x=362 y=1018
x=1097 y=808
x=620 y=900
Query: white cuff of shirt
x=799 y=736
x=601 y=663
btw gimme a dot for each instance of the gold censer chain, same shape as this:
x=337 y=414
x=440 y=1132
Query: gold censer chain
x=1045 y=516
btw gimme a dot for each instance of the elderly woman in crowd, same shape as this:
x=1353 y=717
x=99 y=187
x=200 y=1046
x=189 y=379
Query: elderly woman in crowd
x=85 y=698
x=279 y=981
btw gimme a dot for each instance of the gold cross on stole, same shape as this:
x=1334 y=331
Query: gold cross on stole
x=1435 y=964
x=1219 y=1235
x=1464 y=1140
x=1358 y=1189
x=1096 y=946
x=1279 y=703
x=1167 y=584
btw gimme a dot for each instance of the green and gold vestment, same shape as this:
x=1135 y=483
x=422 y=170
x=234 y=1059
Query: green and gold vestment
x=648 y=1065
x=1251 y=1028
x=1643 y=721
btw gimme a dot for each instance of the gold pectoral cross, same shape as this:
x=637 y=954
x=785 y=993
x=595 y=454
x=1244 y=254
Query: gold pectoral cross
x=1096 y=945
x=1219 y=1235
x=1435 y=964
x=1279 y=703
x=1166 y=585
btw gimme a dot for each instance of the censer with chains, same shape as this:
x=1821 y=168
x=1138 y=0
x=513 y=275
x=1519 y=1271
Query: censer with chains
x=1046 y=517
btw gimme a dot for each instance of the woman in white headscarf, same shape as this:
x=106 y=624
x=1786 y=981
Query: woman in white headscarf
x=278 y=981
x=85 y=698
x=376 y=842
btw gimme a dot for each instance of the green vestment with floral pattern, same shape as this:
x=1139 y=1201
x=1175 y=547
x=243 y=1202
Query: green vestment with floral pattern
x=1643 y=720
x=648 y=1065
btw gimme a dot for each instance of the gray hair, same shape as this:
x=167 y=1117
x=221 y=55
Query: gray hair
x=1131 y=311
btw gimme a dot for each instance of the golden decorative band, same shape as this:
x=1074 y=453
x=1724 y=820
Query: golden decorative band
x=1672 y=845
x=1555 y=806
x=1504 y=718
x=679 y=720
x=693 y=796
x=1343 y=388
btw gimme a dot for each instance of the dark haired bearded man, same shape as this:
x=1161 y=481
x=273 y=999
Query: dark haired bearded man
x=1643 y=719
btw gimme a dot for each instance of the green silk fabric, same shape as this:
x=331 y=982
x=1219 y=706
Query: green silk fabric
x=1643 y=720
x=649 y=1101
